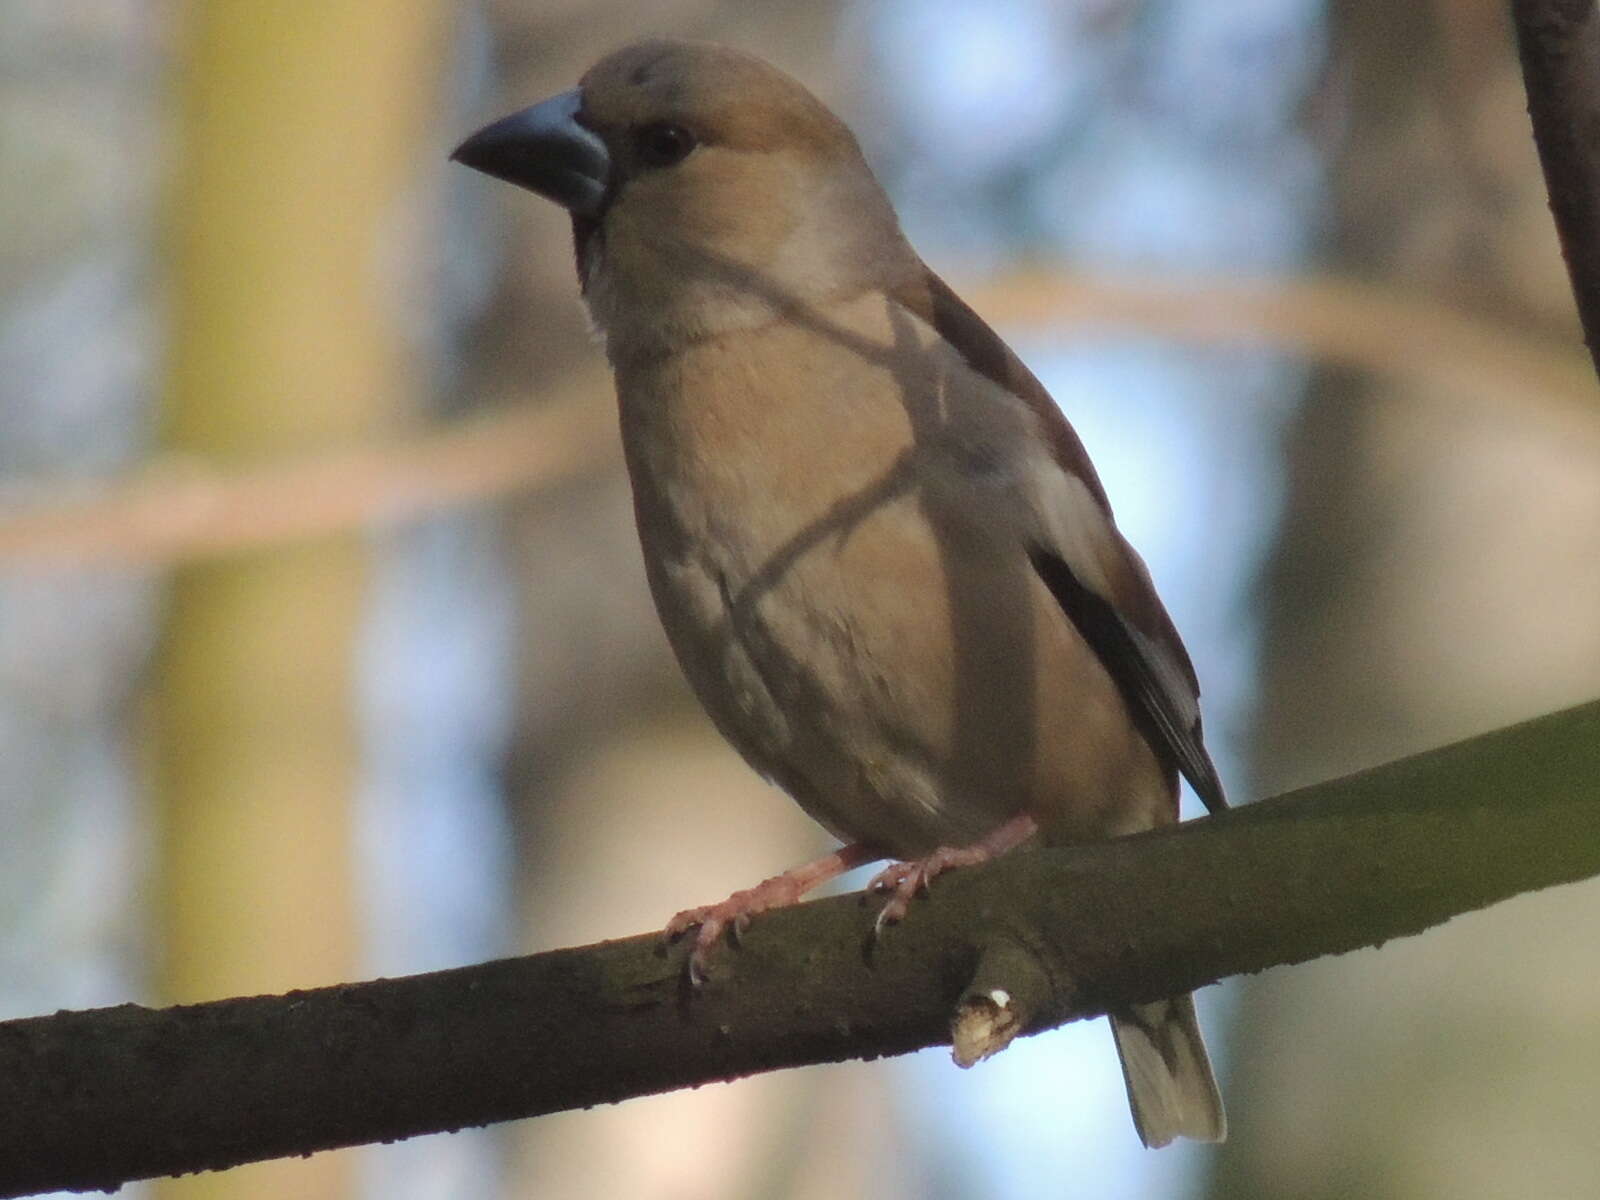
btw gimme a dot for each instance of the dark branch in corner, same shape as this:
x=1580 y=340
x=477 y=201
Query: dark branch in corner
x=93 y=1099
x=1559 y=41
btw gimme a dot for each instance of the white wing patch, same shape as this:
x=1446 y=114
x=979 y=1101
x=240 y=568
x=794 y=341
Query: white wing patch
x=1072 y=523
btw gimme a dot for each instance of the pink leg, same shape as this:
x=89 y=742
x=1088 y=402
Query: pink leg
x=904 y=880
x=733 y=914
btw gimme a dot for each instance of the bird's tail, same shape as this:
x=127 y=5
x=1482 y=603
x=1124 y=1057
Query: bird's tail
x=1170 y=1086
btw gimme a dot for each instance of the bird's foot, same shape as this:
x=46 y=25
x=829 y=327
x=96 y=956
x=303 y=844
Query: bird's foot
x=732 y=917
x=904 y=881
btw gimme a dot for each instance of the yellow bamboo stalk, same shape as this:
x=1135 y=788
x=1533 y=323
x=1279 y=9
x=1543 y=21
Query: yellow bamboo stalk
x=298 y=129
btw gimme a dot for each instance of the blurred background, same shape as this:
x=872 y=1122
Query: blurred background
x=325 y=650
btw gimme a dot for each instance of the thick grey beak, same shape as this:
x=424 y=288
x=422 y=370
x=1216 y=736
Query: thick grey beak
x=545 y=150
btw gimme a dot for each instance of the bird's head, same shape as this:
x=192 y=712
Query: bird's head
x=708 y=190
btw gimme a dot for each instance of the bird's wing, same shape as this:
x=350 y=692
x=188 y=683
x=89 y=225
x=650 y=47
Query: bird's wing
x=1098 y=579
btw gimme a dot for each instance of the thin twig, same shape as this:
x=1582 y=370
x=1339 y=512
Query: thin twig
x=180 y=509
x=1329 y=320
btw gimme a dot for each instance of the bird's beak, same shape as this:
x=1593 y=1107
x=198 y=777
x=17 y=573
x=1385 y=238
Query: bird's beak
x=545 y=150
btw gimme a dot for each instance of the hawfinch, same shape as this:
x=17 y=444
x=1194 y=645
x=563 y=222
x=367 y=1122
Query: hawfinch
x=879 y=551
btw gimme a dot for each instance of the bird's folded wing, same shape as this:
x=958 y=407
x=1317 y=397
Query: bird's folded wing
x=1096 y=577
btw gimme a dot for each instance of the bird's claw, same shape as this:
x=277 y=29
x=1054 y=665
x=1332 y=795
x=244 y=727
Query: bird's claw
x=708 y=927
x=730 y=919
x=905 y=881
x=900 y=883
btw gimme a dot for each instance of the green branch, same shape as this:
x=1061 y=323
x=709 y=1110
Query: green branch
x=93 y=1099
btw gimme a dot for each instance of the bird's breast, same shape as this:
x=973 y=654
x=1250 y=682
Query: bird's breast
x=845 y=593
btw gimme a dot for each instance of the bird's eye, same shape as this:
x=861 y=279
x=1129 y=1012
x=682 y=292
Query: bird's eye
x=663 y=144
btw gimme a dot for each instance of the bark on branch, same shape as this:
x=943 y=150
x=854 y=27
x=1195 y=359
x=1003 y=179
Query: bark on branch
x=92 y=1099
x=1559 y=42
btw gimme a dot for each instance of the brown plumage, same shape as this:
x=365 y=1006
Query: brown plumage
x=880 y=552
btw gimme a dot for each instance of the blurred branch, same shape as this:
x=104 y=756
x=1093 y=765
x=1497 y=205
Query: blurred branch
x=93 y=1099
x=1559 y=42
x=174 y=511
x=1340 y=321
x=181 y=509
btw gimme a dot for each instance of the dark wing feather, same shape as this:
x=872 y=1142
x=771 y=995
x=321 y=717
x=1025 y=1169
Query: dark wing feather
x=1136 y=664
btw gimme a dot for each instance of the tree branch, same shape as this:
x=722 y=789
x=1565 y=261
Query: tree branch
x=93 y=1099
x=192 y=508
x=1559 y=41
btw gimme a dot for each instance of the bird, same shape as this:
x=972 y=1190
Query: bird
x=878 y=549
